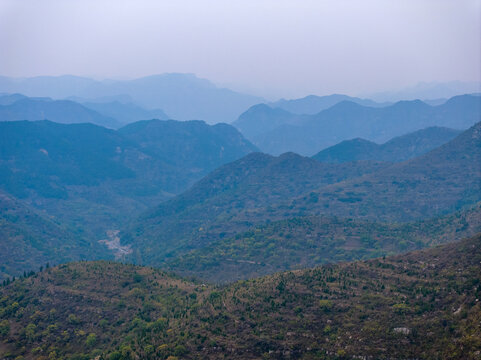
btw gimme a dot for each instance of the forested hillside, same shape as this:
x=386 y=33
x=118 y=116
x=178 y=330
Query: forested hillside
x=83 y=182
x=260 y=188
x=420 y=305
x=299 y=243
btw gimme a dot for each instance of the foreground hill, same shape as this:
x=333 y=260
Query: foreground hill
x=398 y=149
x=97 y=178
x=29 y=240
x=308 y=134
x=61 y=111
x=420 y=305
x=260 y=188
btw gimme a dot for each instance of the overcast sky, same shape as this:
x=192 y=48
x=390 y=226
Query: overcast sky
x=272 y=47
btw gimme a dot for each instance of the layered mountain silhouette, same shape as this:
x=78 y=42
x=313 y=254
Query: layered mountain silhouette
x=262 y=119
x=395 y=150
x=440 y=181
x=8 y=99
x=96 y=178
x=182 y=96
x=110 y=114
x=309 y=134
x=225 y=199
x=260 y=188
x=102 y=186
x=18 y=107
x=430 y=90
x=125 y=113
x=313 y=104
x=190 y=144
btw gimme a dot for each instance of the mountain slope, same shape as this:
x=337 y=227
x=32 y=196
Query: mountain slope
x=194 y=144
x=221 y=203
x=260 y=188
x=96 y=179
x=398 y=149
x=61 y=111
x=438 y=182
x=348 y=120
x=29 y=240
x=42 y=155
x=299 y=243
x=419 y=305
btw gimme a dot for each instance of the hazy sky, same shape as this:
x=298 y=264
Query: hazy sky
x=272 y=47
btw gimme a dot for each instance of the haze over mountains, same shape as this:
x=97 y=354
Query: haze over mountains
x=18 y=107
x=429 y=90
x=313 y=104
x=103 y=112
x=280 y=131
x=240 y=180
x=92 y=180
x=126 y=113
x=261 y=188
x=182 y=96
x=417 y=188
x=109 y=177
x=171 y=92
x=95 y=178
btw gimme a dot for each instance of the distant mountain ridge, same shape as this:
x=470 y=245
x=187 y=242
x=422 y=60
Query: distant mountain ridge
x=18 y=107
x=182 y=96
x=308 y=134
x=429 y=90
x=313 y=104
x=126 y=113
x=112 y=114
x=440 y=181
x=398 y=149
